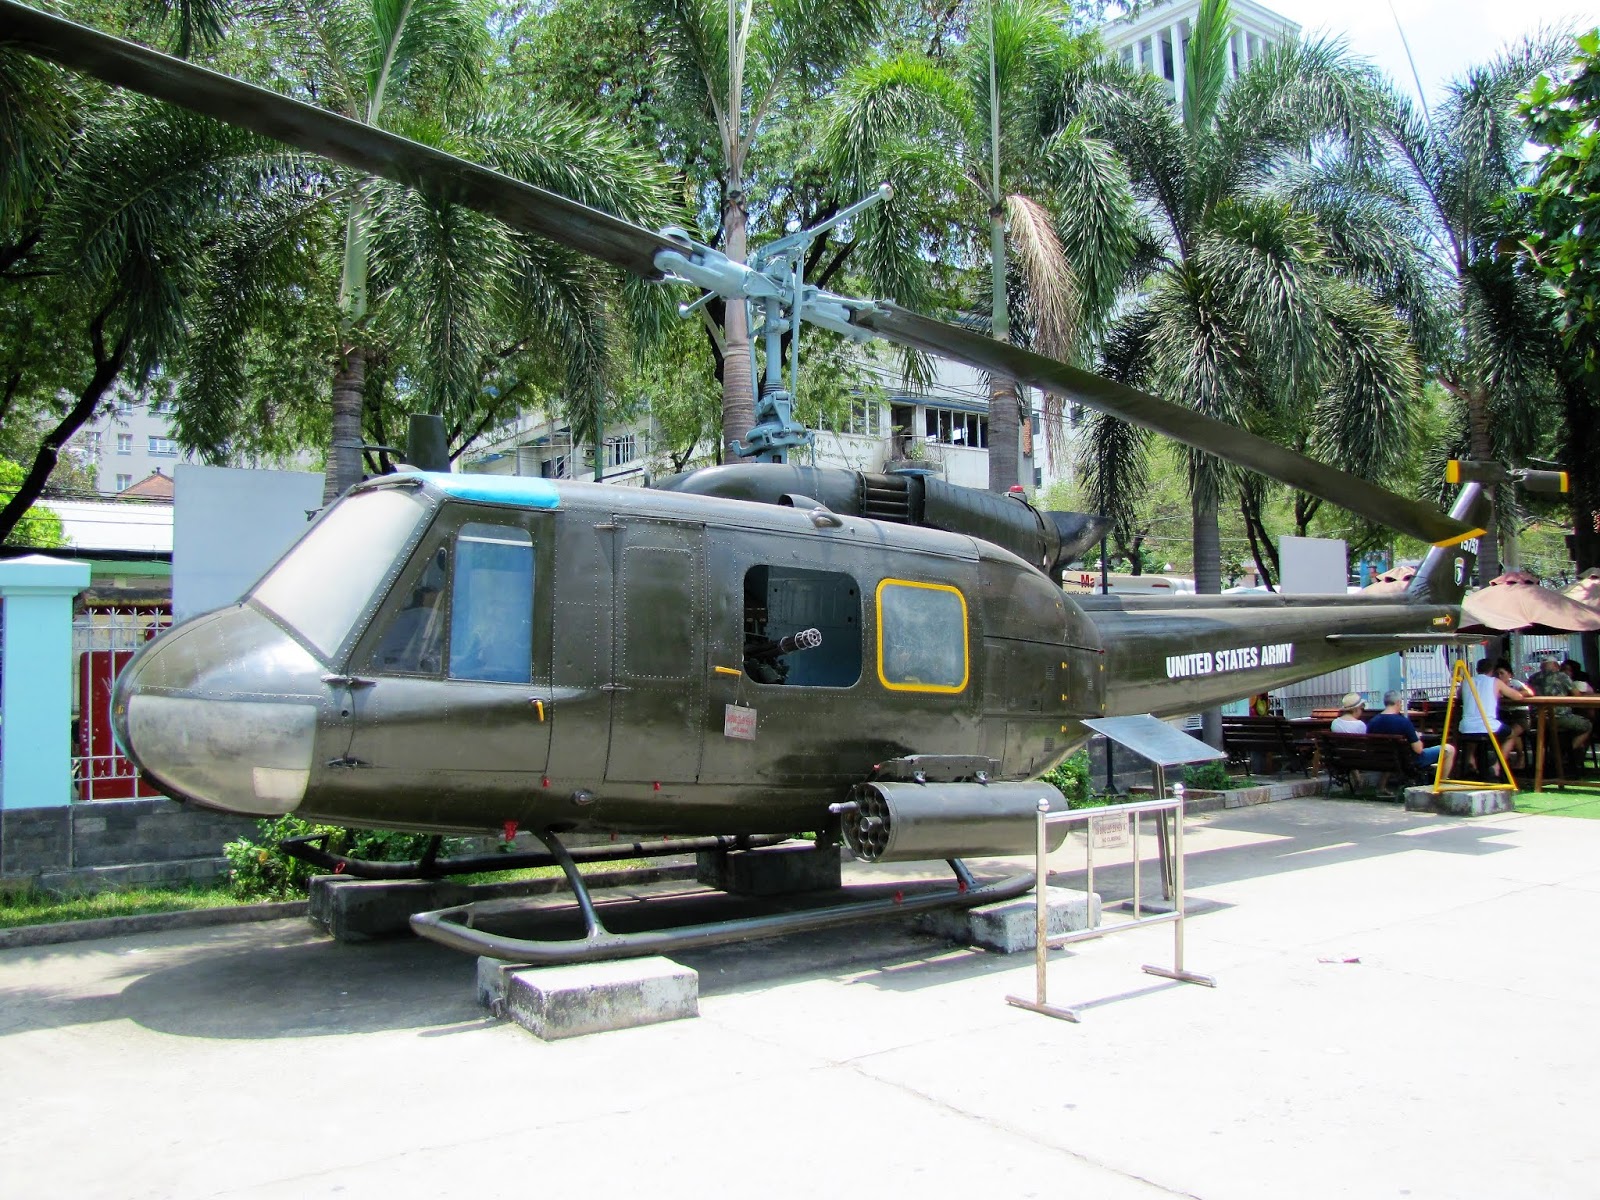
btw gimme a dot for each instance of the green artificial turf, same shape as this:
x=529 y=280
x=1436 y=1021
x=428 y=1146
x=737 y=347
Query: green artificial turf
x=1573 y=800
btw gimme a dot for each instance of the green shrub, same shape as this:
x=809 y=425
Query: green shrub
x=259 y=870
x=1211 y=777
x=1071 y=779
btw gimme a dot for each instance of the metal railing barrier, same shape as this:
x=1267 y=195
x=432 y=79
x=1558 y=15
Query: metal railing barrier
x=1159 y=805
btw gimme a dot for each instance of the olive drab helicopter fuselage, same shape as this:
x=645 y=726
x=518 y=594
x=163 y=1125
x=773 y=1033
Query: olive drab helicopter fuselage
x=633 y=679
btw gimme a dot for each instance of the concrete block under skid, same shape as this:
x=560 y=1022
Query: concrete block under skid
x=359 y=910
x=1011 y=926
x=773 y=871
x=562 y=1002
x=1460 y=804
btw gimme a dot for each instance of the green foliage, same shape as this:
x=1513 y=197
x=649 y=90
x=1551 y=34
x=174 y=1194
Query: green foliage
x=30 y=906
x=1564 y=238
x=262 y=871
x=1071 y=779
x=1211 y=776
x=39 y=526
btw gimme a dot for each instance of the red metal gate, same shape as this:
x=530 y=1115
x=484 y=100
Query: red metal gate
x=105 y=638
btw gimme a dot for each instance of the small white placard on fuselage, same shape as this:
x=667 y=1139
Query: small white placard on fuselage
x=739 y=722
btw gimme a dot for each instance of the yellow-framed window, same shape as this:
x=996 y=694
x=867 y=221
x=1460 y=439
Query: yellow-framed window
x=922 y=636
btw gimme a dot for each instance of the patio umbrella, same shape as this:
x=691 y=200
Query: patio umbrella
x=1517 y=601
x=1587 y=589
x=1392 y=582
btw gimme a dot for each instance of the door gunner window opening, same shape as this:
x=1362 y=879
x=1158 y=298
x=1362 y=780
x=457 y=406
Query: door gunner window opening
x=801 y=628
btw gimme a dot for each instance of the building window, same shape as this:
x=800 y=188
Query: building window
x=161 y=447
x=865 y=417
x=124 y=406
x=621 y=450
x=92 y=443
x=164 y=407
x=553 y=468
x=124 y=482
x=957 y=428
x=124 y=443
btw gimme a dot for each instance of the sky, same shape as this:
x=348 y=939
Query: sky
x=1446 y=36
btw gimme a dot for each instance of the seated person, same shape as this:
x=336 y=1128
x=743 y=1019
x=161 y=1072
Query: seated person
x=1394 y=720
x=1349 y=718
x=1551 y=680
x=1481 y=693
x=1574 y=671
x=1514 y=717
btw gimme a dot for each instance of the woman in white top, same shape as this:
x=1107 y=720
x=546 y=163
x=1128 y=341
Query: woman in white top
x=1349 y=718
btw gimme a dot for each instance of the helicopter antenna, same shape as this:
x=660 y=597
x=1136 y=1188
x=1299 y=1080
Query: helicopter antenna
x=786 y=300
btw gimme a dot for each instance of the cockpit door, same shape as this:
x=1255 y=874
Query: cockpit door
x=658 y=706
x=452 y=680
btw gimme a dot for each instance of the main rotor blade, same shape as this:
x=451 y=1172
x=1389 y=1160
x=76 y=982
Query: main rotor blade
x=366 y=148
x=1227 y=442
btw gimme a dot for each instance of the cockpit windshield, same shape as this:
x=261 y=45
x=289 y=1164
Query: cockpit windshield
x=322 y=585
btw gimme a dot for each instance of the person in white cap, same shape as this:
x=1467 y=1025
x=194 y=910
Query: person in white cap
x=1349 y=718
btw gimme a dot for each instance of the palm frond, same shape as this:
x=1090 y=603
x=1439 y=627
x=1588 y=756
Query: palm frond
x=1206 y=64
x=1051 y=286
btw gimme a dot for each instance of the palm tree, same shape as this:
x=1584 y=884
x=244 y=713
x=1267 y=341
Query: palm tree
x=973 y=142
x=445 y=308
x=1261 y=248
x=735 y=64
x=1462 y=167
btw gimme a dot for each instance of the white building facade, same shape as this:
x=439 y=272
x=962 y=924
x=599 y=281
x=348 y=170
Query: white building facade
x=1157 y=40
x=128 y=443
x=942 y=430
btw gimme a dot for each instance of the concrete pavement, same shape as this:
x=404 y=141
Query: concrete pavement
x=1405 y=1007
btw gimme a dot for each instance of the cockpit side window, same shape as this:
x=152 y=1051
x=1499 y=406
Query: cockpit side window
x=491 y=602
x=413 y=642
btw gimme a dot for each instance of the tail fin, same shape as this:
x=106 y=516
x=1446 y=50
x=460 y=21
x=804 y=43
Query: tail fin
x=1447 y=570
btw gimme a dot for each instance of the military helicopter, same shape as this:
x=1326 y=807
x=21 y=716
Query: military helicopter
x=735 y=655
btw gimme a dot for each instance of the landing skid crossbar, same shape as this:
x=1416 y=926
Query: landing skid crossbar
x=309 y=848
x=454 y=927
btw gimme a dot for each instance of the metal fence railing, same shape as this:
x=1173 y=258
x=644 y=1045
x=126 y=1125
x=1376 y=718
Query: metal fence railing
x=1159 y=806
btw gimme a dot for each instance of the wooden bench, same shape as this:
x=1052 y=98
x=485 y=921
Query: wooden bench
x=1382 y=754
x=1275 y=737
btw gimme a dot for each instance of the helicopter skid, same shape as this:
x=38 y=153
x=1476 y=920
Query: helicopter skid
x=460 y=928
x=309 y=849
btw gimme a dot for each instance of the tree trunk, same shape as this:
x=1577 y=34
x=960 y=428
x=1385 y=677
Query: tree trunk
x=344 y=455
x=1207 y=546
x=1005 y=431
x=107 y=366
x=1581 y=454
x=1482 y=447
x=738 y=383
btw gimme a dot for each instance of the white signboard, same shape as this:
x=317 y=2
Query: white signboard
x=1108 y=832
x=229 y=526
x=1313 y=566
